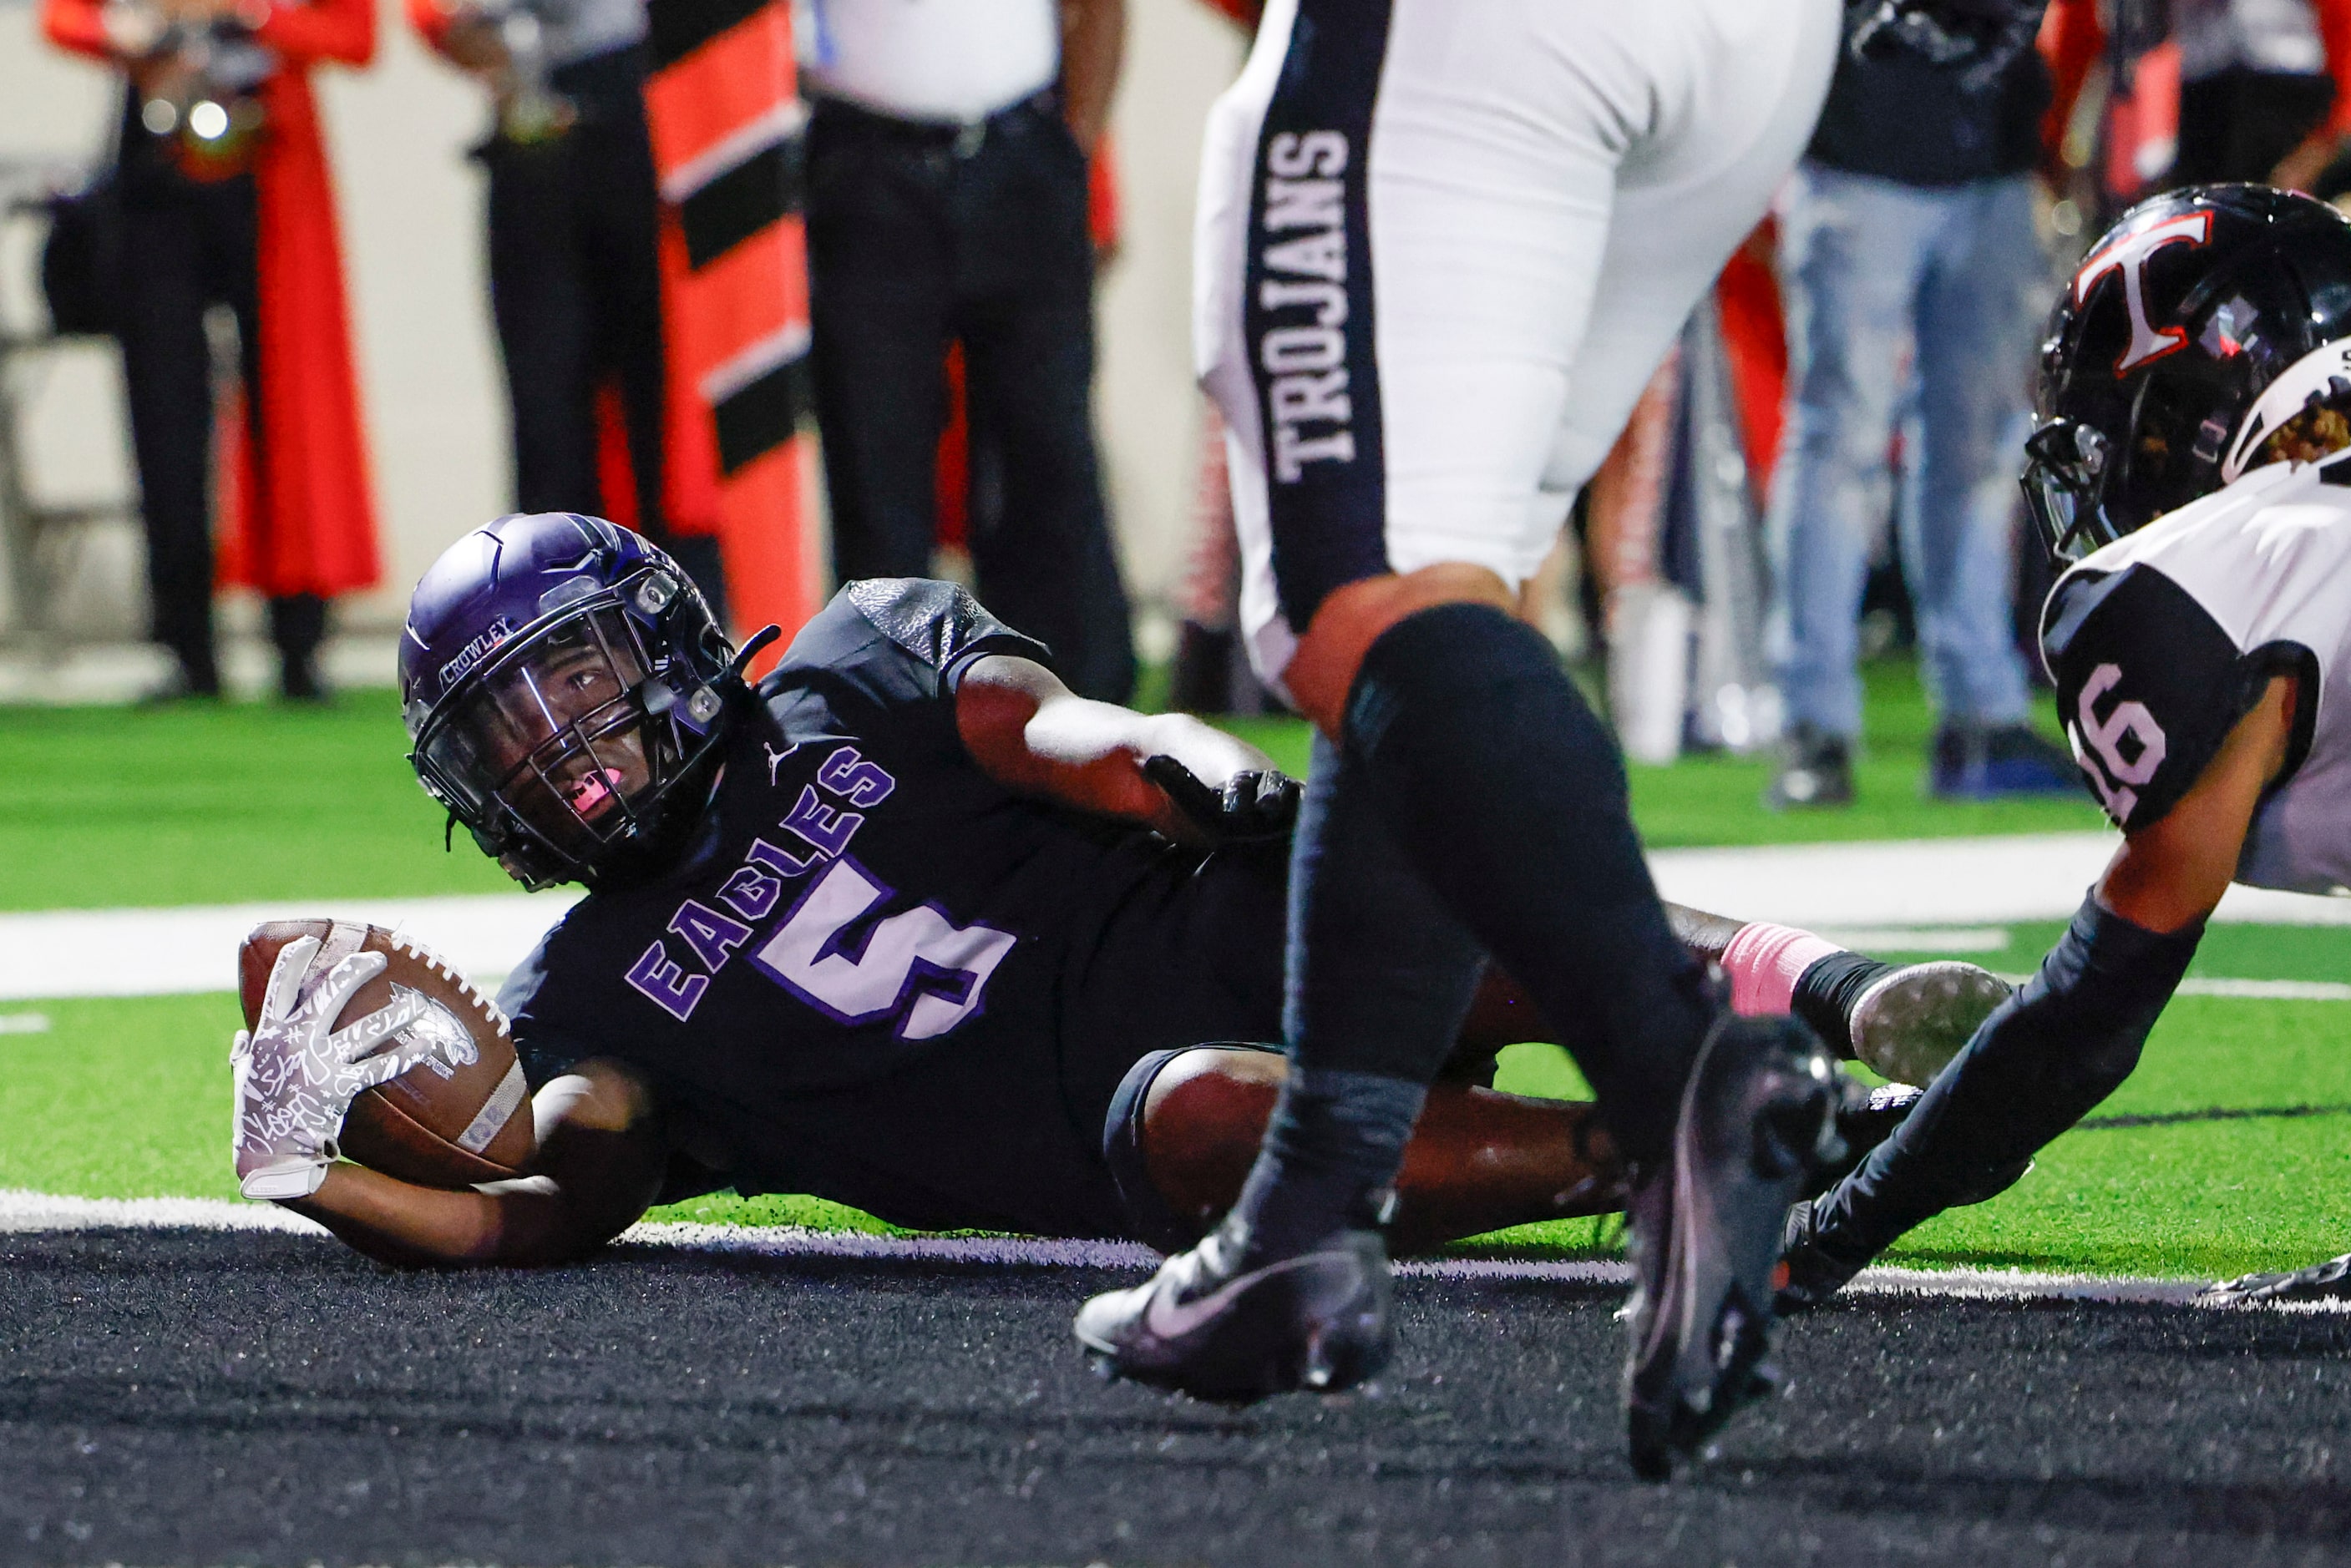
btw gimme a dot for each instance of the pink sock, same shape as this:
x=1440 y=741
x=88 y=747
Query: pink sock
x=1764 y=962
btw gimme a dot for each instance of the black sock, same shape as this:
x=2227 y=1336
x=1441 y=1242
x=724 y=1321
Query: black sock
x=1825 y=993
x=1505 y=791
x=1380 y=977
x=1330 y=1157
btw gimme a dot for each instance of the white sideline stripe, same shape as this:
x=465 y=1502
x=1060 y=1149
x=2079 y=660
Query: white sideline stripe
x=164 y=952
x=2249 y=990
x=26 y=1211
x=23 y=1210
x=2270 y=989
x=1878 y=888
x=24 y=1023
x=1933 y=882
x=1921 y=939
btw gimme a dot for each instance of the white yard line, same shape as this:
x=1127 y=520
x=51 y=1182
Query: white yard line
x=23 y=1210
x=26 y=1211
x=1932 y=882
x=1921 y=939
x=159 y=953
x=2269 y=990
x=1873 y=889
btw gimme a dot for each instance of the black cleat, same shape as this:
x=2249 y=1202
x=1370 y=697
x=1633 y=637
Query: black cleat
x=1864 y=1118
x=1816 y=1265
x=2326 y=1281
x=1911 y=1021
x=1815 y=772
x=1209 y=1328
x=1811 y=1270
x=1757 y=1118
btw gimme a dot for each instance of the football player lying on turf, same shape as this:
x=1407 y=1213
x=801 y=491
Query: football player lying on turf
x=2190 y=468
x=913 y=929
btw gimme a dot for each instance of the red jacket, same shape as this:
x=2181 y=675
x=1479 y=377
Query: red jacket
x=305 y=522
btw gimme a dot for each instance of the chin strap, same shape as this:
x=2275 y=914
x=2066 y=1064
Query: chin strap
x=750 y=650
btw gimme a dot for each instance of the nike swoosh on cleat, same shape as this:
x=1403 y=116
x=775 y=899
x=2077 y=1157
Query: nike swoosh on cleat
x=1172 y=1320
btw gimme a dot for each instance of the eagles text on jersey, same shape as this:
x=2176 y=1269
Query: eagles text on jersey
x=878 y=975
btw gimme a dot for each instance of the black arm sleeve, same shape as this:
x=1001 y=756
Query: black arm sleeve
x=2047 y=1056
x=2149 y=686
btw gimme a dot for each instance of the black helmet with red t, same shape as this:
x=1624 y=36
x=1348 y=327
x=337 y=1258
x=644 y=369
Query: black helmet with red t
x=2207 y=333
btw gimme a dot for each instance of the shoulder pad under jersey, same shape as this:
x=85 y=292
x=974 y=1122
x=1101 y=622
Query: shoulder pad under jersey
x=2149 y=686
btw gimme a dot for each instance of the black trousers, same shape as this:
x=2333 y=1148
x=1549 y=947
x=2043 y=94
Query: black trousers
x=2237 y=124
x=575 y=287
x=920 y=236
x=188 y=245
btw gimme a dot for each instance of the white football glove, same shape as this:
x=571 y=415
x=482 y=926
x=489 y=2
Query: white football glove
x=297 y=1075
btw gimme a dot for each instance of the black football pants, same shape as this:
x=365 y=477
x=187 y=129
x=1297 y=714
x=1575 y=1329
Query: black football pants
x=2235 y=125
x=575 y=287
x=922 y=235
x=188 y=245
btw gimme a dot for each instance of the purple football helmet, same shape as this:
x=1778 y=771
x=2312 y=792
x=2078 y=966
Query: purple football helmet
x=564 y=685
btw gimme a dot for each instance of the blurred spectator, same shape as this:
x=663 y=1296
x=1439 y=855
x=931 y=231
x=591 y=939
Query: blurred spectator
x=574 y=261
x=971 y=460
x=948 y=201
x=1910 y=226
x=2264 y=85
x=1210 y=671
x=225 y=199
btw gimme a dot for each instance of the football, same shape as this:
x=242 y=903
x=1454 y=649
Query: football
x=447 y=1124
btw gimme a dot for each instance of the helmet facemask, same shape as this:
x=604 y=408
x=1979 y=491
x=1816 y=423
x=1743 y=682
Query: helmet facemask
x=565 y=750
x=2065 y=484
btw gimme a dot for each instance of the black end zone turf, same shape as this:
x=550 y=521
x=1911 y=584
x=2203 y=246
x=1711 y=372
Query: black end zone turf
x=168 y=1397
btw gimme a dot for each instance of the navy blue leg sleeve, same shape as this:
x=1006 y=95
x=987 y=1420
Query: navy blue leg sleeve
x=2064 y=1042
x=1380 y=977
x=1380 y=972
x=1506 y=792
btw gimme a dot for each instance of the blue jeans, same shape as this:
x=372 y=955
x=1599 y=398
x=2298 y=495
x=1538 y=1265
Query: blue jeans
x=1871 y=266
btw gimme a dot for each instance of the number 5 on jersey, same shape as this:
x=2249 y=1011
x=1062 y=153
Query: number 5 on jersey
x=917 y=959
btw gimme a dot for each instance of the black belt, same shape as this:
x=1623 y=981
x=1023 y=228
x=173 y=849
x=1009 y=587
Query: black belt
x=965 y=138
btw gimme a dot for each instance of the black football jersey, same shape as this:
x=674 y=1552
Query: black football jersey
x=2161 y=641
x=877 y=975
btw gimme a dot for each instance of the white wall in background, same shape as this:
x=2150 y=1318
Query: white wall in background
x=411 y=211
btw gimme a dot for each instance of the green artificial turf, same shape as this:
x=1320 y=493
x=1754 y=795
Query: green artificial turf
x=1719 y=799
x=229 y=803
x=2228 y=1150
x=220 y=804
x=129 y=1098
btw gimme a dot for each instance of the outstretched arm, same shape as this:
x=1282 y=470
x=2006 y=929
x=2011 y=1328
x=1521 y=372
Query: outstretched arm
x=2070 y=1036
x=600 y=1162
x=1166 y=770
x=2170 y=874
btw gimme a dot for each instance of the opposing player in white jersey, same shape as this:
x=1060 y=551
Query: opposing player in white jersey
x=1442 y=245
x=2193 y=463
